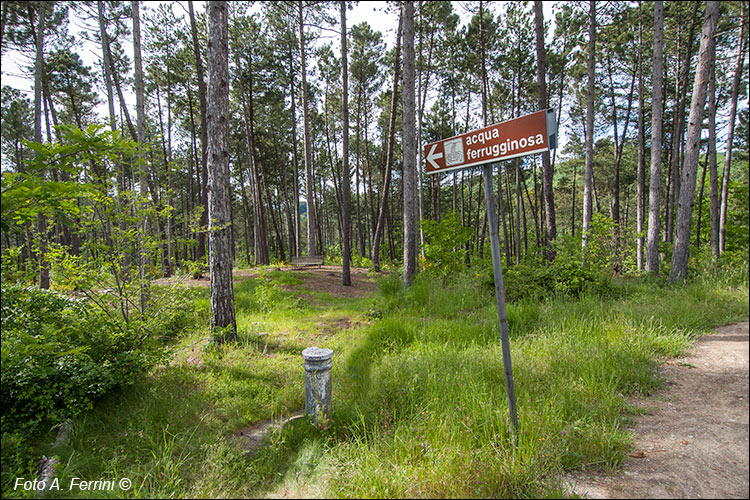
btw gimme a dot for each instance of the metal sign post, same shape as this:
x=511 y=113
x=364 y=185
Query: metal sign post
x=529 y=134
x=502 y=316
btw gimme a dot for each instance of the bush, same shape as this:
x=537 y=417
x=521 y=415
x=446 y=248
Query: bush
x=59 y=355
x=444 y=247
x=532 y=280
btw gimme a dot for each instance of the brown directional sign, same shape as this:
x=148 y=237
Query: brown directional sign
x=528 y=134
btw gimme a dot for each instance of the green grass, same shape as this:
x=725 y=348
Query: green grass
x=419 y=401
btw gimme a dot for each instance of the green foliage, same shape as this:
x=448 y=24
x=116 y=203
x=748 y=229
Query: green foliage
x=565 y=277
x=600 y=253
x=27 y=195
x=731 y=268
x=60 y=354
x=444 y=244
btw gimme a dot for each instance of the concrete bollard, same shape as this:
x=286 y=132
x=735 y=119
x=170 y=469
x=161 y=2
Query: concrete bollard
x=318 y=363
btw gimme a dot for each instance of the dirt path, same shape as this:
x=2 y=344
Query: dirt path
x=693 y=443
x=320 y=279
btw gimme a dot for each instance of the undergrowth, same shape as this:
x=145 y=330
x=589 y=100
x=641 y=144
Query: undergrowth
x=419 y=401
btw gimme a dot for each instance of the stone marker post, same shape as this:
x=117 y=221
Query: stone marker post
x=318 y=363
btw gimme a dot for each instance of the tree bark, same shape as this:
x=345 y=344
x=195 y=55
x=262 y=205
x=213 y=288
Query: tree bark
x=680 y=252
x=312 y=225
x=679 y=128
x=547 y=172
x=295 y=170
x=223 y=322
x=389 y=153
x=589 y=168
x=107 y=65
x=641 y=169
x=730 y=135
x=141 y=124
x=652 y=243
x=38 y=79
x=713 y=189
x=204 y=132
x=700 y=199
x=409 y=149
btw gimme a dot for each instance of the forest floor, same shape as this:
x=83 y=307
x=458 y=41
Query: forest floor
x=320 y=279
x=692 y=441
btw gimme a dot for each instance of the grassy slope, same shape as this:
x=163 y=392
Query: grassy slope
x=419 y=395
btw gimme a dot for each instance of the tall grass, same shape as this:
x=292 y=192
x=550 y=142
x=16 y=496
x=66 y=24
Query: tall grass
x=419 y=401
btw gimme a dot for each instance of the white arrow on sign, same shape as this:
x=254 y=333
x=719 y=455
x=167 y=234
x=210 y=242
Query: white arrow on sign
x=431 y=157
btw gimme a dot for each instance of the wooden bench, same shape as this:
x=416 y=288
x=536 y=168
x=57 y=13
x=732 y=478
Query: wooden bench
x=307 y=261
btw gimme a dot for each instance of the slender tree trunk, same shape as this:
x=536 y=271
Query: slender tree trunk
x=652 y=244
x=107 y=65
x=681 y=248
x=360 y=230
x=389 y=153
x=295 y=170
x=246 y=216
x=713 y=188
x=38 y=79
x=141 y=124
x=730 y=135
x=517 y=163
x=204 y=131
x=547 y=172
x=676 y=164
x=700 y=200
x=589 y=169
x=223 y=322
x=312 y=225
x=641 y=170
x=409 y=149
x=262 y=255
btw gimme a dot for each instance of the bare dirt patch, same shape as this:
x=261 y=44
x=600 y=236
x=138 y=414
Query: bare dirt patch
x=320 y=279
x=693 y=442
x=251 y=437
x=328 y=279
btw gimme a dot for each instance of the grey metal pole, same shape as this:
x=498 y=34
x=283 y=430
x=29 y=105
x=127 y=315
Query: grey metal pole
x=489 y=195
x=318 y=363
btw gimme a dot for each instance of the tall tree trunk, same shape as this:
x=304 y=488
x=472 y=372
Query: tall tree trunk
x=389 y=152
x=730 y=135
x=38 y=79
x=346 y=188
x=706 y=56
x=700 y=200
x=223 y=322
x=641 y=170
x=141 y=124
x=360 y=230
x=589 y=169
x=312 y=225
x=409 y=149
x=262 y=256
x=204 y=131
x=246 y=216
x=547 y=172
x=657 y=109
x=295 y=170
x=107 y=66
x=519 y=200
x=713 y=189
x=677 y=143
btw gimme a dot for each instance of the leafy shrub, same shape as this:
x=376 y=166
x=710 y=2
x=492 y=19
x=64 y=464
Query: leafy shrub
x=59 y=355
x=444 y=244
x=566 y=276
